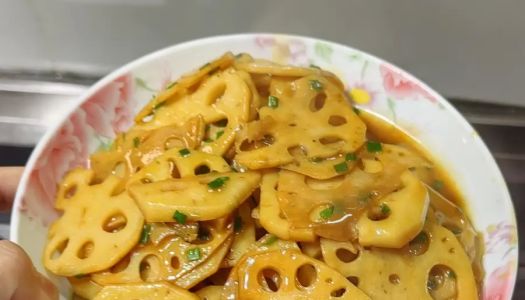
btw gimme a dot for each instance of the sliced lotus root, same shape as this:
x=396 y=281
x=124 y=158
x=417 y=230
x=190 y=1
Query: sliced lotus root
x=432 y=263
x=223 y=96
x=210 y=292
x=312 y=114
x=400 y=216
x=271 y=216
x=183 y=86
x=98 y=227
x=200 y=198
x=265 y=67
x=312 y=249
x=145 y=291
x=180 y=162
x=157 y=232
x=243 y=238
x=168 y=260
x=320 y=168
x=77 y=181
x=206 y=269
x=138 y=147
x=289 y=274
x=84 y=287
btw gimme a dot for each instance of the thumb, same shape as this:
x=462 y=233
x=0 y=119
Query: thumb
x=18 y=278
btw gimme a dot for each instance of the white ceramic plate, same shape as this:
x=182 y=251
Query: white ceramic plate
x=109 y=106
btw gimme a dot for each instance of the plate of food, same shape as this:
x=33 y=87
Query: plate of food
x=263 y=166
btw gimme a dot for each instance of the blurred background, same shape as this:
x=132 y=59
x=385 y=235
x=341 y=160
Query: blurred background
x=471 y=51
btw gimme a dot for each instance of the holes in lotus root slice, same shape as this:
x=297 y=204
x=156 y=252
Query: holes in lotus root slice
x=354 y=280
x=85 y=250
x=441 y=283
x=269 y=279
x=317 y=103
x=92 y=223
x=115 y=223
x=286 y=274
x=419 y=245
x=338 y=293
x=59 y=249
x=394 y=279
x=388 y=273
x=167 y=258
x=345 y=255
x=336 y=120
x=309 y=126
x=202 y=169
x=306 y=275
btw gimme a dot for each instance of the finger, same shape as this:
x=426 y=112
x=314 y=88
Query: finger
x=9 y=179
x=19 y=280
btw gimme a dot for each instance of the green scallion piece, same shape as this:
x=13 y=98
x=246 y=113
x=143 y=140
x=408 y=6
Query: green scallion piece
x=273 y=102
x=219 y=134
x=350 y=157
x=385 y=209
x=327 y=213
x=136 y=141
x=438 y=185
x=144 y=235
x=237 y=224
x=180 y=217
x=341 y=167
x=159 y=105
x=184 y=152
x=171 y=85
x=270 y=240
x=218 y=182
x=193 y=254
x=373 y=146
x=356 y=110
x=316 y=85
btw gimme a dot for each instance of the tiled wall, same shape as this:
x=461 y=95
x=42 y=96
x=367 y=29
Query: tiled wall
x=469 y=48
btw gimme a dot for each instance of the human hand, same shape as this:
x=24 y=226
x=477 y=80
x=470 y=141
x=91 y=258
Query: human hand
x=19 y=279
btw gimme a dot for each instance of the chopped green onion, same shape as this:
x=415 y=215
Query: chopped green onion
x=273 y=102
x=373 y=146
x=136 y=141
x=180 y=217
x=327 y=213
x=219 y=134
x=184 y=152
x=350 y=156
x=316 y=85
x=341 y=167
x=194 y=254
x=217 y=182
x=356 y=110
x=159 y=105
x=385 y=209
x=237 y=224
x=80 y=276
x=421 y=238
x=144 y=235
x=314 y=66
x=438 y=185
x=171 y=85
x=270 y=240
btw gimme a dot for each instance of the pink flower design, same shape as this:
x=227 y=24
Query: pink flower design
x=67 y=149
x=500 y=235
x=110 y=110
x=399 y=86
x=499 y=283
x=293 y=50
